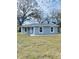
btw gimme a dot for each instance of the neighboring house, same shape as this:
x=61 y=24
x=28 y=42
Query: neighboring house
x=33 y=28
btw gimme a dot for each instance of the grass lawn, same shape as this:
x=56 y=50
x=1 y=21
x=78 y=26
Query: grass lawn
x=39 y=47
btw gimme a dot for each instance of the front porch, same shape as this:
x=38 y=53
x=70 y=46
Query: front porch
x=27 y=30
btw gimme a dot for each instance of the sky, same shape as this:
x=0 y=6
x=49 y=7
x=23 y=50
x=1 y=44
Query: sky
x=48 y=5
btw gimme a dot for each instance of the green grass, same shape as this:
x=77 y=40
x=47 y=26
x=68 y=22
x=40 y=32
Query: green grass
x=39 y=47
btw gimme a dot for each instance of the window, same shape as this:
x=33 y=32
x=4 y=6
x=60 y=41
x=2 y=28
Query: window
x=51 y=29
x=25 y=29
x=40 y=29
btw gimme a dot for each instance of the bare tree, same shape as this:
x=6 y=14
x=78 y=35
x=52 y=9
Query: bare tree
x=57 y=15
x=59 y=21
x=37 y=14
x=24 y=9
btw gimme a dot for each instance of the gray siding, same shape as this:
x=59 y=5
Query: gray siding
x=23 y=31
x=46 y=30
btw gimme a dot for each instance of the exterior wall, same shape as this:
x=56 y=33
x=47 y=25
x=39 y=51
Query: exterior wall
x=55 y=29
x=23 y=30
x=46 y=31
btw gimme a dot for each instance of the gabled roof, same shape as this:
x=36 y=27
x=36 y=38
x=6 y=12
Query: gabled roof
x=33 y=22
x=29 y=22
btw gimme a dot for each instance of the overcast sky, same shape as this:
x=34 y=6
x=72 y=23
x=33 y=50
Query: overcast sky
x=48 y=5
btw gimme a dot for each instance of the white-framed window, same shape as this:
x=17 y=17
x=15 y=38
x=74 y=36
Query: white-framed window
x=51 y=29
x=40 y=29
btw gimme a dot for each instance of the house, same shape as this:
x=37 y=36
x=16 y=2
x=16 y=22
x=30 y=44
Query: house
x=33 y=28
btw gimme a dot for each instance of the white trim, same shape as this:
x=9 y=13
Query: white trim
x=42 y=29
x=33 y=30
x=46 y=35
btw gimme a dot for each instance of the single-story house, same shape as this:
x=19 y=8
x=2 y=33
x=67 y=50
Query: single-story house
x=33 y=28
